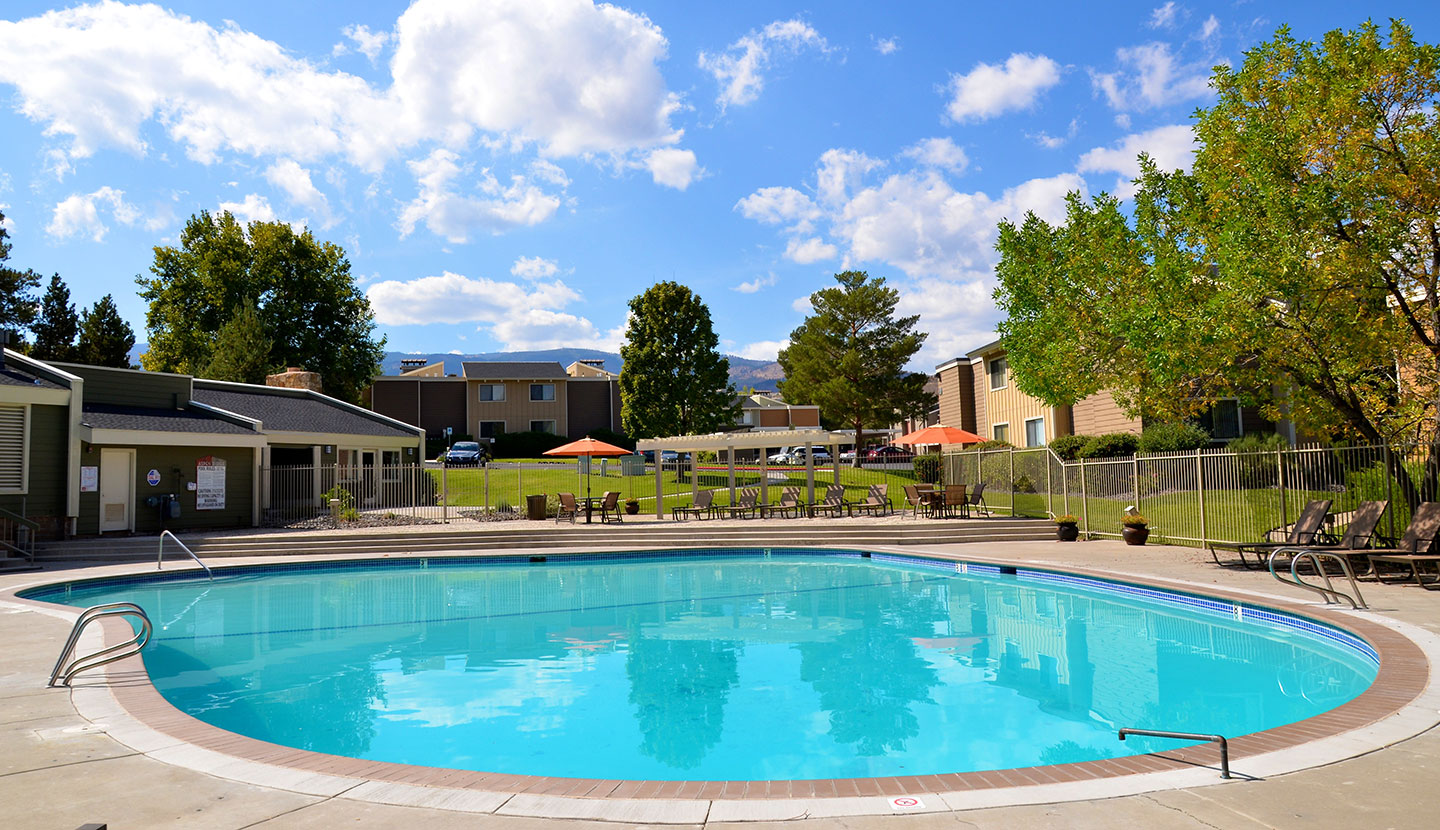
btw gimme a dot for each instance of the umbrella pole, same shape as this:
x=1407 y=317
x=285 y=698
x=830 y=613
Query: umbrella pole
x=588 y=464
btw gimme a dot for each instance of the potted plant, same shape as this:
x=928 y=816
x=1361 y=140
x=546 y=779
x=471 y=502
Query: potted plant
x=632 y=507
x=1067 y=528
x=1136 y=530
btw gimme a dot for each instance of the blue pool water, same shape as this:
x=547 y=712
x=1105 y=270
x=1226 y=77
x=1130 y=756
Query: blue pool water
x=716 y=667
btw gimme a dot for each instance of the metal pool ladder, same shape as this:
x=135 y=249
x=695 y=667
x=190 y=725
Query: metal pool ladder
x=66 y=668
x=160 y=554
x=1316 y=559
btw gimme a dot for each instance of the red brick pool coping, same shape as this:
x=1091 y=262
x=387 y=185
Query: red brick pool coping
x=1402 y=677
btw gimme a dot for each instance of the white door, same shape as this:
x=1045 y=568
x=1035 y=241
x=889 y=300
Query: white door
x=117 y=480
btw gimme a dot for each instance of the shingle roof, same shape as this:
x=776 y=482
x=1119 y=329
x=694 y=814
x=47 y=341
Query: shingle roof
x=103 y=416
x=13 y=375
x=287 y=411
x=505 y=370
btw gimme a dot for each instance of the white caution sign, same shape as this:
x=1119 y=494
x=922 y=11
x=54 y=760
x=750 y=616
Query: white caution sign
x=210 y=483
x=906 y=802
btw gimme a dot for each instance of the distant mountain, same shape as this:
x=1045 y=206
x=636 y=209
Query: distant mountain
x=763 y=375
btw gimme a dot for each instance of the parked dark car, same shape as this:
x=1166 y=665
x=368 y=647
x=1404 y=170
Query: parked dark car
x=888 y=453
x=465 y=454
x=667 y=456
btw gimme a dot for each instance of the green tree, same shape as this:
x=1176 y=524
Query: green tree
x=307 y=302
x=849 y=357
x=105 y=338
x=241 y=351
x=1301 y=254
x=675 y=381
x=57 y=324
x=17 y=300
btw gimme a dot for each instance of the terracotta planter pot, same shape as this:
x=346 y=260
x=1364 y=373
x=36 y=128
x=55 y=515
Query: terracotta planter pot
x=1135 y=535
x=1067 y=531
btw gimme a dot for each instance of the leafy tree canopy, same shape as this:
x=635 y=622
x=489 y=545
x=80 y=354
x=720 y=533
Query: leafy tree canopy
x=105 y=338
x=304 y=297
x=1301 y=255
x=675 y=380
x=849 y=356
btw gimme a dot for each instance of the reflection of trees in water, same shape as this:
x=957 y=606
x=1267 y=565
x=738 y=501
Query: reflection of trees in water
x=679 y=689
x=337 y=711
x=1069 y=752
x=869 y=677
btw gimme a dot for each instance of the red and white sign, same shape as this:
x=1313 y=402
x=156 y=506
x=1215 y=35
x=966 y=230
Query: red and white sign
x=906 y=802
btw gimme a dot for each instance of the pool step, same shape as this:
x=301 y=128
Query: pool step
x=688 y=535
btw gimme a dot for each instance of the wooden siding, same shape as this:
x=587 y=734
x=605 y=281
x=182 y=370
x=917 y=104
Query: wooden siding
x=398 y=399
x=957 y=397
x=177 y=467
x=49 y=453
x=123 y=387
x=517 y=410
x=977 y=396
x=1011 y=406
x=589 y=405
x=1099 y=414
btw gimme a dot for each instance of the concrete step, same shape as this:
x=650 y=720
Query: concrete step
x=689 y=535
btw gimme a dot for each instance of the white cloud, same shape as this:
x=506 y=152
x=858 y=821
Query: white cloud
x=80 y=214
x=807 y=251
x=738 y=70
x=776 y=205
x=991 y=89
x=534 y=267
x=1209 y=28
x=1151 y=77
x=672 y=168
x=959 y=314
x=802 y=305
x=253 y=208
x=762 y=349
x=1172 y=148
x=295 y=181
x=1055 y=142
x=520 y=316
x=886 y=46
x=1166 y=16
x=756 y=284
x=568 y=77
x=368 y=43
x=456 y=216
x=940 y=153
x=839 y=172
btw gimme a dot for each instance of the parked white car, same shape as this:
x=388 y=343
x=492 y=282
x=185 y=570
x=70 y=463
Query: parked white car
x=782 y=457
x=796 y=455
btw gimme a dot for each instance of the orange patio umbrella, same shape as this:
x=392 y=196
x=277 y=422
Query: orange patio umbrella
x=940 y=434
x=589 y=448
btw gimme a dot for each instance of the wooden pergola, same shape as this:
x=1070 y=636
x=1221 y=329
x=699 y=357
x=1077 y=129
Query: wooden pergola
x=729 y=442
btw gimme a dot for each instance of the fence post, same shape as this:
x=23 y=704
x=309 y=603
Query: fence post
x=1084 y=499
x=487 y=487
x=1200 y=490
x=1049 y=485
x=1280 y=483
x=1012 y=482
x=1389 y=487
x=444 y=493
x=1135 y=481
x=1065 y=484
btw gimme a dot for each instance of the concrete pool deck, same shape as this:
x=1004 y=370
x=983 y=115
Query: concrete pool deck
x=71 y=757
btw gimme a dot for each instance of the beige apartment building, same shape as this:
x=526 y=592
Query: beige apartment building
x=978 y=393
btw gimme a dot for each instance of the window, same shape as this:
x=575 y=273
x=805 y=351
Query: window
x=14 y=424
x=999 y=366
x=1222 y=420
x=1000 y=432
x=390 y=465
x=543 y=426
x=492 y=392
x=542 y=391
x=1035 y=432
x=490 y=429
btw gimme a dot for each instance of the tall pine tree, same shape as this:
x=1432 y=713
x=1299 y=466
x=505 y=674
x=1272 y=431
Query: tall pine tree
x=849 y=357
x=241 y=351
x=17 y=300
x=105 y=338
x=57 y=324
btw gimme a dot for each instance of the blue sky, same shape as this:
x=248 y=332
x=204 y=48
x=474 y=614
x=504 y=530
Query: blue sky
x=508 y=174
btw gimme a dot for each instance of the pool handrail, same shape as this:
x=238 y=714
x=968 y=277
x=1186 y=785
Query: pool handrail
x=160 y=554
x=1315 y=556
x=65 y=669
x=1187 y=736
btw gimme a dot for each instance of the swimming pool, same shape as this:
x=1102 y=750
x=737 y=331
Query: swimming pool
x=745 y=665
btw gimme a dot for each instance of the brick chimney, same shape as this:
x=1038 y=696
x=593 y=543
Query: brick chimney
x=295 y=377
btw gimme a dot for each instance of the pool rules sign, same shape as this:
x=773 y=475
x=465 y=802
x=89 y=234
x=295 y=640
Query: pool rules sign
x=210 y=483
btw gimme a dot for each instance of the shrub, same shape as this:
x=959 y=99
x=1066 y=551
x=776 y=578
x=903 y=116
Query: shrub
x=1133 y=520
x=927 y=468
x=1176 y=436
x=526 y=444
x=1066 y=519
x=347 y=512
x=990 y=445
x=1023 y=484
x=1068 y=446
x=1258 y=442
x=1110 y=445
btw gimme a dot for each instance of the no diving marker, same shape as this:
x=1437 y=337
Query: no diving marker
x=906 y=802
